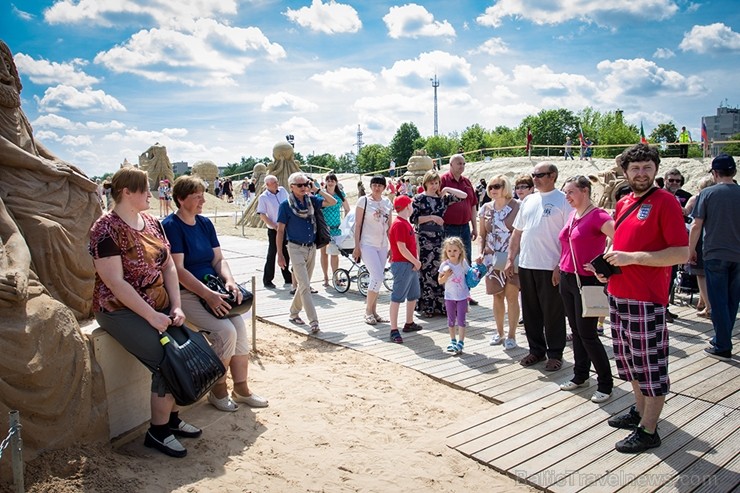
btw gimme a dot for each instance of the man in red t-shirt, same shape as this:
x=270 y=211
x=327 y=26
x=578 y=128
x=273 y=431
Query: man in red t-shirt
x=460 y=217
x=650 y=237
x=405 y=267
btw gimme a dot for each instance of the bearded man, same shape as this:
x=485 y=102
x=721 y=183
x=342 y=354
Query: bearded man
x=53 y=203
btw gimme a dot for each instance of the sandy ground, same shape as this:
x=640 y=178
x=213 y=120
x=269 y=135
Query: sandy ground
x=338 y=420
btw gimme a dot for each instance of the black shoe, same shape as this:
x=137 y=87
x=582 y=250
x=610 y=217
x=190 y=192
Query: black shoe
x=712 y=352
x=269 y=285
x=638 y=441
x=626 y=421
x=472 y=302
x=292 y=291
x=169 y=446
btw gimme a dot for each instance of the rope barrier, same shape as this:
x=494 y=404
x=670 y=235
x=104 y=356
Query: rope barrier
x=6 y=441
x=14 y=441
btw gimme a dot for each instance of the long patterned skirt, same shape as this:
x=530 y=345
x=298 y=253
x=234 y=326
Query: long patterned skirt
x=432 y=298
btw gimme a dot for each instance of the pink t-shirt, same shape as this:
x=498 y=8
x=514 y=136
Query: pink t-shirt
x=587 y=239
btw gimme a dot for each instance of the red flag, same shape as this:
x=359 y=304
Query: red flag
x=643 y=140
x=529 y=139
x=704 y=137
x=580 y=136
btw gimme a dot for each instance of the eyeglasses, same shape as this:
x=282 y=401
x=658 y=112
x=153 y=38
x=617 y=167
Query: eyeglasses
x=674 y=180
x=495 y=186
x=541 y=175
x=301 y=185
x=523 y=187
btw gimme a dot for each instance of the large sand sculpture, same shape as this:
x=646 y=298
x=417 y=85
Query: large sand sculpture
x=157 y=165
x=46 y=281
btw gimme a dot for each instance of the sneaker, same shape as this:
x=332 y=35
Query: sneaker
x=600 y=397
x=459 y=347
x=600 y=329
x=223 y=404
x=269 y=285
x=520 y=322
x=452 y=347
x=251 y=400
x=510 y=344
x=713 y=352
x=495 y=340
x=571 y=385
x=626 y=421
x=186 y=430
x=169 y=446
x=638 y=441
x=472 y=302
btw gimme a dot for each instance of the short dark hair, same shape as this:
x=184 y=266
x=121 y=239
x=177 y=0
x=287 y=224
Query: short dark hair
x=186 y=185
x=134 y=179
x=378 y=180
x=640 y=152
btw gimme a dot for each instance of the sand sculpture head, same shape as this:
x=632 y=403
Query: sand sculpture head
x=206 y=170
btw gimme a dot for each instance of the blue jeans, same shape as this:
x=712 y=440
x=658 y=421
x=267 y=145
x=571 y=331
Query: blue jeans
x=723 y=288
x=463 y=232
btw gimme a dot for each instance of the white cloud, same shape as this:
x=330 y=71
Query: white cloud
x=76 y=140
x=70 y=98
x=494 y=73
x=714 y=38
x=602 y=13
x=46 y=72
x=327 y=18
x=111 y=125
x=412 y=21
x=283 y=101
x=452 y=70
x=346 y=79
x=663 y=53
x=54 y=121
x=644 y=78
x=116 y=12
x=21 y=14
x=201 y=53
x=492 y=47
x=545 y=81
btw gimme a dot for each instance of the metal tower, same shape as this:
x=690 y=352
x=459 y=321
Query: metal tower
x=359 y=142
x=435 y=85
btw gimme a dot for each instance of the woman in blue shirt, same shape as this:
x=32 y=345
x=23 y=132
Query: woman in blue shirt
x=333 y=216
x=197 y=253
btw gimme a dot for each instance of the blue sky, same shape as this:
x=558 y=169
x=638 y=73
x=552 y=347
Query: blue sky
x=221 y=79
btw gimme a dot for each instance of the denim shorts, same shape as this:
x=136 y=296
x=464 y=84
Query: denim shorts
x=405 y=282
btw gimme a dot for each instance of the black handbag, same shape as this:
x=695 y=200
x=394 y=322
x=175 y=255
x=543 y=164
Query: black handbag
x=189 y=366
x=215 y=283
x=323 y=236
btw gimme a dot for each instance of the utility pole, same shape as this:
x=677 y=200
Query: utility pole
x=435 y=85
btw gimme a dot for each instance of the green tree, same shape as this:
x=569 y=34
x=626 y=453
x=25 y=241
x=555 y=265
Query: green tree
x=549 y=127
x=322 y=161
x=734 y=148
x=373 y=157
x=347 y=163
x=401 y=147
x=667 y=131
x=441 y=145
x=473 y=138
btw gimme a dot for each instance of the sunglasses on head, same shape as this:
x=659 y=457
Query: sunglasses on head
x=541 y=175
x=495 y=186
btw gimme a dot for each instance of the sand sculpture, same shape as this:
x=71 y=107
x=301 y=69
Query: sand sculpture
x=157 y=165
x=418 y=165
x=46 y=280
x=282 y=167
x=208 y=171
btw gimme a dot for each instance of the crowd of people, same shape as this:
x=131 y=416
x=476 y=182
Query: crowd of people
x=537 y=245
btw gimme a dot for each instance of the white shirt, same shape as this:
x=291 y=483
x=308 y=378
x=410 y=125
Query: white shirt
x=456 y=288
x=541 y=218
x=269 y=203
x=375 y=224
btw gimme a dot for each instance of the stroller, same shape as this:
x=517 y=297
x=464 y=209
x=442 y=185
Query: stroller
x=342 y=278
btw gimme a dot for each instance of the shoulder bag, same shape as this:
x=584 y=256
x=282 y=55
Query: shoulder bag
x=189 y=366
x=594 y=301
x=323 y=236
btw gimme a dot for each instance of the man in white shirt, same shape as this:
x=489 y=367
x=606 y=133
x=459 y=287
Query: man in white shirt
x=535 y=239
x=267 y=208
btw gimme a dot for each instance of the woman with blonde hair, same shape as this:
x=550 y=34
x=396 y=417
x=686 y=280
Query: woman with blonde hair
x=496 y=223
x=429 y=207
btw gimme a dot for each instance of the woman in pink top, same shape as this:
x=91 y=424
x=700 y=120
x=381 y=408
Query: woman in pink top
x=586 y=232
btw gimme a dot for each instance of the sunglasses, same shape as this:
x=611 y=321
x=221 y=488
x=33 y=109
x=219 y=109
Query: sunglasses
x=523 y=187
x=674 y=180
x=301 y=185
x=495 y=186
x=541 y=175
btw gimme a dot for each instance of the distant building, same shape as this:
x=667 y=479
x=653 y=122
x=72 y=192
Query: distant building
x=180 y=168
x=722 y=126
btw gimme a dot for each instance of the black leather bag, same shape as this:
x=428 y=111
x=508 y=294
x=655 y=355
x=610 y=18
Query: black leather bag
x=215 y=283
x=189 y=366
x=323 y=236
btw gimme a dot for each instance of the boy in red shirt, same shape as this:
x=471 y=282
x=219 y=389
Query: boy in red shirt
x=404 y=266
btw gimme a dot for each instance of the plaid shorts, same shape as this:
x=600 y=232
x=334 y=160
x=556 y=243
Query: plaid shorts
x=640 y=340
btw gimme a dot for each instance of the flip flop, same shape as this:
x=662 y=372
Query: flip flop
x=297 y=321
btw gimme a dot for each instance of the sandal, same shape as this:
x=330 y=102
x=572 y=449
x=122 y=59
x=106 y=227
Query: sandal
x=380 y=319
x=296 y=320
x=396 y=337
x=553 y=364
x=315 y=328
x=370 y=319
x=411 y=327
x=531 y=359
x=704 y=314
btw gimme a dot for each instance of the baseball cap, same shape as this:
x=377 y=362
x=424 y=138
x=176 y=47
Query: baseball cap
x=723 y=162
x=401 y=202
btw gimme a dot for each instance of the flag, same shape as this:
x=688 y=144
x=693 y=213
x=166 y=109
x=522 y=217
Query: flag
x=704 y=137
x=580 y=136
x=643 y=140
x=529 y=139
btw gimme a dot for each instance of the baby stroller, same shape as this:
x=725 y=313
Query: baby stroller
x=345 y=243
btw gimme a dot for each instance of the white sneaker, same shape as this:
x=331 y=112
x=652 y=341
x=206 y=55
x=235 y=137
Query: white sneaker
x=600 y=397
x=251 y=400
x=510 y=344
x=495 y=340
x=223 y=404
x=571 y=385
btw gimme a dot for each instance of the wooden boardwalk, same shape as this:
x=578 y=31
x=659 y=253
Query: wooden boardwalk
x=552 y=440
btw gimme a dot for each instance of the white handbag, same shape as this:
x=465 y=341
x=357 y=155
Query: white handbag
x=594 y=301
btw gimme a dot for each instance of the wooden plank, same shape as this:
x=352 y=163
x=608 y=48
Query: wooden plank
x=724 y=389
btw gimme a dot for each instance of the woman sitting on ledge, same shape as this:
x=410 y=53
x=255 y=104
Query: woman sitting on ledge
x=137 y=297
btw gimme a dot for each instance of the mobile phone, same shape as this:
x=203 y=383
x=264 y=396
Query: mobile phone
x=605 y=268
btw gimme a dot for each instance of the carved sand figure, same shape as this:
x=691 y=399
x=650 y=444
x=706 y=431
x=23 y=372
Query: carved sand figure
x=52 y=202
x=418 y=165
x=207 y=171
x=282 y=167
x=157 y=165
x=45 y=368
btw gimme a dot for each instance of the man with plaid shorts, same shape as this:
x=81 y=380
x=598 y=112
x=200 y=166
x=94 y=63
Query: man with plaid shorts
x=650 y=237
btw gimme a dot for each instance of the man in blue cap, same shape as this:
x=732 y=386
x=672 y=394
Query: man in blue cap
x=713 y=212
